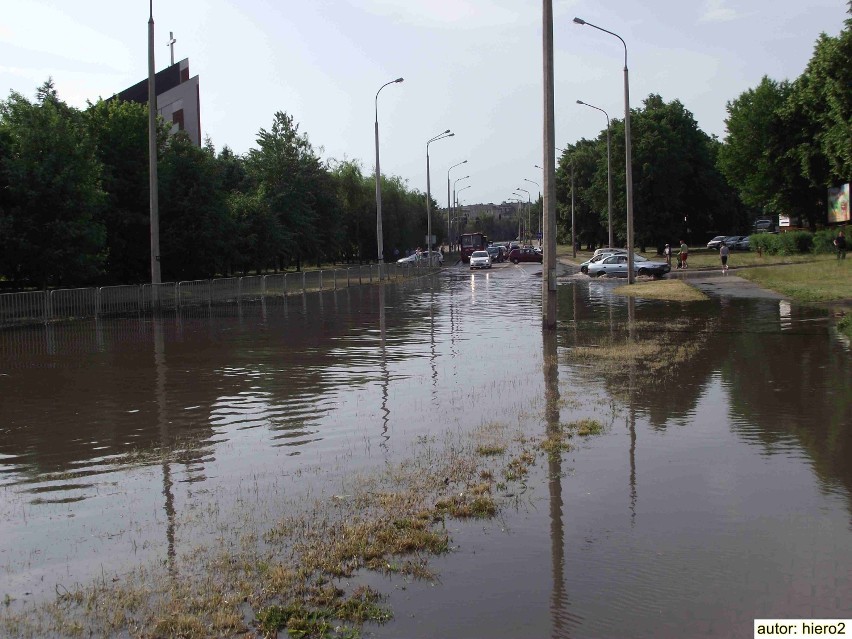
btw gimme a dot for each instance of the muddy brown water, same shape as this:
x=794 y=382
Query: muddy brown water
x=719 y=491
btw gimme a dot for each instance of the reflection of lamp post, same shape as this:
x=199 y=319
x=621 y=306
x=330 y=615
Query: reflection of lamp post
x=379 y=239
x=449 y=203
x=628 y=168
x=608 y=169
x=440 y=136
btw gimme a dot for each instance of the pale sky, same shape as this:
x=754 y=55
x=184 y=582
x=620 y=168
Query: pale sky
x=472 y=66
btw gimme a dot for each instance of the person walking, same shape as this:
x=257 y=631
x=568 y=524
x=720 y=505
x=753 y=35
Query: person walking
x=840 y=245
x=668 y=253
x=683 y=255
x=723 y=254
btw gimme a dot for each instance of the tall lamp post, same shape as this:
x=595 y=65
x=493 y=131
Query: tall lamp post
x=456 y=199
x=379 y=239
x=440 y=136
x=454 y=193
x=450 y=202
x=537 y=202
x=152 y=161
x=521 y=202
x=529 y=207
x=628 y=169
x=608 y=168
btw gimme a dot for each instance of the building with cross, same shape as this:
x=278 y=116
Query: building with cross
x=178 y=98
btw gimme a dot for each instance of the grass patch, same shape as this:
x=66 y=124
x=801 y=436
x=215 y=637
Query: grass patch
x=672 y=290
x=586 y=427
x=823 y=279
x=490 y=450
x=844 y=325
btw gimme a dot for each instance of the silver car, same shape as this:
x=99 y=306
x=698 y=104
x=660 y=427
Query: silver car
x=480 y=259
x=616 y=266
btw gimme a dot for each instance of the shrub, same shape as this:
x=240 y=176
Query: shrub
x=783 y=243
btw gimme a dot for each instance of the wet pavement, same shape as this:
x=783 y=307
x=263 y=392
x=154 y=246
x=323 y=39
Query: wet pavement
x=720 y=490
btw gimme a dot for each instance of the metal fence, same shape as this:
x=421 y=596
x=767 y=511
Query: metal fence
x=37 y=307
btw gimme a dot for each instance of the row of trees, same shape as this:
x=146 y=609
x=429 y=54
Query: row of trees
x=787 y=143
x=74 y=184
x=74 y=199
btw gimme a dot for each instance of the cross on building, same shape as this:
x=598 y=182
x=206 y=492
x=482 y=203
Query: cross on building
x=171 y=45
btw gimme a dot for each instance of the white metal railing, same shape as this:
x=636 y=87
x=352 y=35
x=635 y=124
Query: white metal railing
x=35 y=307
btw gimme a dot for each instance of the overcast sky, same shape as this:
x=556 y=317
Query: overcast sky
x=473 y=66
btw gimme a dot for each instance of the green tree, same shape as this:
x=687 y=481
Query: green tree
x=52 y=200
x=194 y=221
x=120 y=131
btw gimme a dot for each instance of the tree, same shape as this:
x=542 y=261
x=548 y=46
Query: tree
x=52 y=196
x=120 y=132
x=194 y=222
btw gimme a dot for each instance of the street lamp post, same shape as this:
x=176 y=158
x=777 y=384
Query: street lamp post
x=454 y=193
x=529 y=207
x=456 y=198
x=608 y=168
x=628 y=169
x=379 y=238
x=440 y=136
x=573 y=230
x=449 y=202
x=537 y=202
x=520 y=208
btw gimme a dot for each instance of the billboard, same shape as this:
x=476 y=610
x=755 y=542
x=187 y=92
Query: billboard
x=838 y=204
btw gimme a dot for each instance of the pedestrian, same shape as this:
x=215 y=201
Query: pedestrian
x=840 y=245
x=723 y=253
x=684 y=253
x=668 y=253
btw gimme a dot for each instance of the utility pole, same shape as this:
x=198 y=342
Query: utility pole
x=548 y=280
x=152 y=158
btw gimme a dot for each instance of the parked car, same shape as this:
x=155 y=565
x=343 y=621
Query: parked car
x=495 y=254
x=422 y=258
x=616 y=266
x=597 y=257
x=606 y=249
x=480 y=259
x=716 y=242
x=526 y=254
x=764 y=225
x=744 y=244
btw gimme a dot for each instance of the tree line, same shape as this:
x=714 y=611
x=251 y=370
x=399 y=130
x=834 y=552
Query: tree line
x=787 y=143
x=74 y=184
x=74 y=200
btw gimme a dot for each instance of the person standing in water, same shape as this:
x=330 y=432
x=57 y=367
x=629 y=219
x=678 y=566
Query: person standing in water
x=723 y=254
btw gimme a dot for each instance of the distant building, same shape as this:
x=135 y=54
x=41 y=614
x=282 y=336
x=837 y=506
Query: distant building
x=178 y=98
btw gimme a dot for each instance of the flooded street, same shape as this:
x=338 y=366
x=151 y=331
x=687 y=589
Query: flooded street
x=719 y=490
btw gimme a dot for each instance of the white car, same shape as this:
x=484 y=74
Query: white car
x=480 y=259
x=422 y=258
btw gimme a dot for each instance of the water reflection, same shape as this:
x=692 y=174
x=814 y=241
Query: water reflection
x=742 y=406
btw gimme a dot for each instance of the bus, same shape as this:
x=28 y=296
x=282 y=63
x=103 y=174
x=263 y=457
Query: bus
x=471 y=242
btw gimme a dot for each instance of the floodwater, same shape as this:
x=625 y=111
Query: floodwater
x=719 y=492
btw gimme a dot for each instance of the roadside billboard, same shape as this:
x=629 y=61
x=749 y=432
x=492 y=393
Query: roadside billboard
x=838 y=204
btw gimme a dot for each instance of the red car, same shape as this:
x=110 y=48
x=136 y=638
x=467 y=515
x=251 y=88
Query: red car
x=525 y=254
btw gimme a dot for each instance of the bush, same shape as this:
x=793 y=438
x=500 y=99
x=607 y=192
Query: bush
x=783 y=243
x=824 y=239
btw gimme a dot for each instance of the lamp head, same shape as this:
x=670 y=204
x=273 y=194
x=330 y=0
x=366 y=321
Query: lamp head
x=398 y=80
x=465 y=162
x=579 y=21
x=580 y=102
x=447 y=131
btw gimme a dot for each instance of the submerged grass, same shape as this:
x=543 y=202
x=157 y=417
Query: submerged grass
x=299 y=576
x=672 y=290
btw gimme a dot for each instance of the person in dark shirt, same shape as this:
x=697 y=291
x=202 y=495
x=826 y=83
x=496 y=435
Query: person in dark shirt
x=840 y=245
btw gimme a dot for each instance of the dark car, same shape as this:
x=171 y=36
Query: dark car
x=525 y=254
x=495 y=253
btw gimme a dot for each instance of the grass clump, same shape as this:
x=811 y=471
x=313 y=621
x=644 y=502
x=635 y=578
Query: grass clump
x=671 y=290
x=490 y=450
x=556 y=442
x=586 y=427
